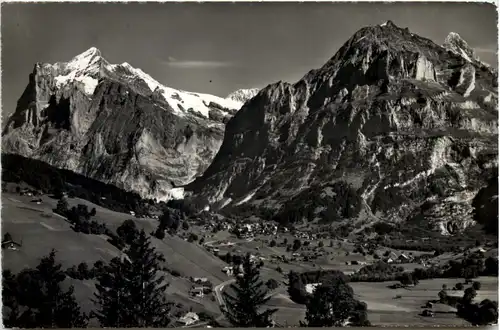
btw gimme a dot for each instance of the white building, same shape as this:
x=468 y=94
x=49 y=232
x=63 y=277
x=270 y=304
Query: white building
x=189 y=319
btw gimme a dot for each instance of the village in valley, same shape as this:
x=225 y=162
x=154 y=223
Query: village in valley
x=365 y=193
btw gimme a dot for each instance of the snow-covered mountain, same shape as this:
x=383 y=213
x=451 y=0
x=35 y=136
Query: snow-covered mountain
x=243 y=95
x=392 y=128
x=115 y=123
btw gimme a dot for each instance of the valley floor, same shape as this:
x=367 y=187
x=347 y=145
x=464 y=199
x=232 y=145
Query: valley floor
x=40 y=230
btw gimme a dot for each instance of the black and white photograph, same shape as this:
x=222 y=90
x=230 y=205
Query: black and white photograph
x=249 y=164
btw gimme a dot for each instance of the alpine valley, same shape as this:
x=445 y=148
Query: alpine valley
x=364 y=193
x=392 y=128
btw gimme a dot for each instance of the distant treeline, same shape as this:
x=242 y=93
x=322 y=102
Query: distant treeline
x=51 y=180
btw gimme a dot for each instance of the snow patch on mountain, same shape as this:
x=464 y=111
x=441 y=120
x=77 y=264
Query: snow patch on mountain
x=85 y=69
x=459 y=46
x=181 y=101
x=243 y=95
x=81 y=68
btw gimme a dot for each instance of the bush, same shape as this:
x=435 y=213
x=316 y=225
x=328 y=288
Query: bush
x=127 y=231
x=383 y=228
x=185 y=225
x=272 y=284
x=62 y=207
x=159 y=233
x=443 y=296
x=476 y=286
x=273 y=243
x=469 y=295
x=484 y=313
x=406 y=279
x=491 y=267
x=459 y=286
x=379 y=271
x=296 y=245
x=192 y=238
x=173 y=272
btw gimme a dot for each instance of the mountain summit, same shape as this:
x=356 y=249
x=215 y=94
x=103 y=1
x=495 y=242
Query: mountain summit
x=116 y=124
x=243 y=95
x=459 y=46
x=392 y=128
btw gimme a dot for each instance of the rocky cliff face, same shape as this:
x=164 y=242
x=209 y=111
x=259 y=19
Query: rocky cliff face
x=116 y=124
x=392 y=128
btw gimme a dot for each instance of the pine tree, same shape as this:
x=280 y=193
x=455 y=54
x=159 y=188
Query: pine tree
x=111 y=295
x=131 y=290
x=62 y=206
x=7 y=237
x=38 y=293
x=333 y=304
x=243 y=309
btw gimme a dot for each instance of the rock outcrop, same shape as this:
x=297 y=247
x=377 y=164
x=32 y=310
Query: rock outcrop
x=116 y=124
x=394 y=127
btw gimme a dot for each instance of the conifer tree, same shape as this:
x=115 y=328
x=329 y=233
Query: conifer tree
x=62 y=206
x=244 y=308
x=111 y=295
x=131 y=290
x=38 y=294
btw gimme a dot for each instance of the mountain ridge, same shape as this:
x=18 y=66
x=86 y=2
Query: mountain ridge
x=386 y=100
x=115 y=123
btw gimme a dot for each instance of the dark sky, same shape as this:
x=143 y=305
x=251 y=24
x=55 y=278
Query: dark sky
x=185 y=45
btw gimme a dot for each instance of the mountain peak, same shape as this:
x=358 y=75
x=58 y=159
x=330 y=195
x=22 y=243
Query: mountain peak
x=388 y=23
x=243 y=95
x=455 y=43
x=87 y=55
x=91 y=52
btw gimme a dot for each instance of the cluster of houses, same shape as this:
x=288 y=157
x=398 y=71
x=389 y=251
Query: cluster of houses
x=305 y=235
x=232 y=270
x=144 y=216
x=251 y=229
x=395 y=258
x=237 y=270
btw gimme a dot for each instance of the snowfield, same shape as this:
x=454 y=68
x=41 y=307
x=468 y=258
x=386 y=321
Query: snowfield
x=86 y=70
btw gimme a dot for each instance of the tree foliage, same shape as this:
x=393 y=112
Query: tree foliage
x=131 y=290
x=333 y=305
x=243 y=309
x=34 y=298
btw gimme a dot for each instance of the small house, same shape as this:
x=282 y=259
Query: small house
x=197 y=292
x=200 y=280
x=228 y=271
x=189 y=319
x=403 y=258
x=428 y=313
x=11 y=245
